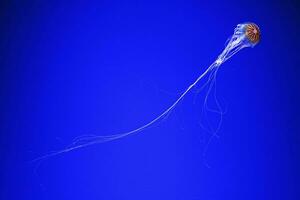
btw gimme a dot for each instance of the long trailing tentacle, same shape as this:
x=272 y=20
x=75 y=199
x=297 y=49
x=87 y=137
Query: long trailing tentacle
x=88 y=140
x=235 y=44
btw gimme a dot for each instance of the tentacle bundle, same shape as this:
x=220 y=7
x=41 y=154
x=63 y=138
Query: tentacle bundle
x=245 y=35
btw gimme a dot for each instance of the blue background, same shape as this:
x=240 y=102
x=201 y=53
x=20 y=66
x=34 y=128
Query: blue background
x=105 y=67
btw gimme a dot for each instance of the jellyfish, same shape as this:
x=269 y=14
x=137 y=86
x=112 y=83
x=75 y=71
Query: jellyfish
x=245 y=35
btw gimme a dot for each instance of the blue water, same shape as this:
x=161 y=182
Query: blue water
x=106 y=67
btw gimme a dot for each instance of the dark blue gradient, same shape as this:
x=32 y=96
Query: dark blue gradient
x=106 y=67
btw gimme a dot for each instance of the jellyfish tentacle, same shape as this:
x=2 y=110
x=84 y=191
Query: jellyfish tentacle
x=245 y=35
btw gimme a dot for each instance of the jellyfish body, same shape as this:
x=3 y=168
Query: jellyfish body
x=245 y=35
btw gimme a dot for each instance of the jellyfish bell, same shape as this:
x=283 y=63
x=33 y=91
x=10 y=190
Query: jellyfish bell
x=250 y=32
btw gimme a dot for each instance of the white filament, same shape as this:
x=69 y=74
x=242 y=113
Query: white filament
x=237 y=42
